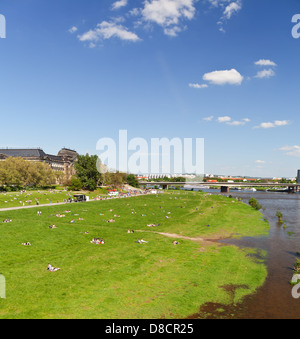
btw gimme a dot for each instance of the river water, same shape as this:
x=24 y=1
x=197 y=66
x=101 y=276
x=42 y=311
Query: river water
x=274 y=299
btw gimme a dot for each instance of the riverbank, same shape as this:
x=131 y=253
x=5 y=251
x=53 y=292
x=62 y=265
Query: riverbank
x=273 y=300
x=122 y=278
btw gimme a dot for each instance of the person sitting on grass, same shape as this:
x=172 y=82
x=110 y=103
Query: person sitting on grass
x=52 y=269
x=52 y=226
x=176 y=243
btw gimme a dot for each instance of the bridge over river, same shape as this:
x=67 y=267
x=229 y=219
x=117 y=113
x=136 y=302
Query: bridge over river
x=224 y=186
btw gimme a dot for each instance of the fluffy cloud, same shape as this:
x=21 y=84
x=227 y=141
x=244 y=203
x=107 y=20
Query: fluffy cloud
x=107 y=30
x=224 y=119
x=228 y=7
x=293 y=151
x=119 y=4
x=232 y=8
x=266 y=73
x=264 y=62
x=238 y=123
x=208 y=118
x=73 y=29
x=277 y=123
x=168 y=13
x=228 y=121
x=260 y=162
x=231 y=77
x=171 y=15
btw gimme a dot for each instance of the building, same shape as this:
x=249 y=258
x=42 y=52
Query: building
x=62 y=162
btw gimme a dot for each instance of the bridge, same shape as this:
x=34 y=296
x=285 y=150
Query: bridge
x=225 y=186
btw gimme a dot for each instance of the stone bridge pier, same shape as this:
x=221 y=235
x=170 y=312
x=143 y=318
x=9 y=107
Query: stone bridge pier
x=293 y=189
x=224 y=189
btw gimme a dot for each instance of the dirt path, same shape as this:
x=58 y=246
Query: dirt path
x=177 y=236
x=67 y=203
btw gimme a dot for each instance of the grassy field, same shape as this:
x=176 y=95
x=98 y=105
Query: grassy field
x=29 y=198
x=123 y=279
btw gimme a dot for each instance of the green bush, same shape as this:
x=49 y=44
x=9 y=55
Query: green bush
x=254 y=203
x=76 y=184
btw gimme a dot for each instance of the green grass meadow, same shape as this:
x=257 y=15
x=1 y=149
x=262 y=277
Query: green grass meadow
x=123 y=279
x=29 y=198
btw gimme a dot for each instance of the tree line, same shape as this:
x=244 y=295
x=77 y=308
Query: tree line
x=17 y=172
x=89 y=177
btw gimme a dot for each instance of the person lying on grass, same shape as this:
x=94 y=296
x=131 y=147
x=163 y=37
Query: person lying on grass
x=52 y=269
x=26 y=244
x=153 y=225
x=130 y=231
x=111 y=220
x=52 y=226
x=176 y=243
x=141 y=241
x=97 y=241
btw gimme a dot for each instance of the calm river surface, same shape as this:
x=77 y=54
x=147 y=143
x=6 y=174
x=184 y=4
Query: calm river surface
x=274 y=299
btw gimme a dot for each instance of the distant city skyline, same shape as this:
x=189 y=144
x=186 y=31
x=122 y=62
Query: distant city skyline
x=223 y=70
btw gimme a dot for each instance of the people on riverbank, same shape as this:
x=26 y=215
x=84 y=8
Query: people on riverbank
x=52 y=269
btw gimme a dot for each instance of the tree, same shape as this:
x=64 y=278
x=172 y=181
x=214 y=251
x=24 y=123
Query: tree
x=132 y=181
x=116 y=179
x=19 y=172
x=76 y=184
x=86 y=171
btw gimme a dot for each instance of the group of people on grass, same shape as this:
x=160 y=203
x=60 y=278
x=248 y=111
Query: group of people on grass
x=97 y=241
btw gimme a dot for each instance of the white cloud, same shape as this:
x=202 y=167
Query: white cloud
x=229 y=8
x=266 y=73
x=168 y=13
x=73 y=29
x=119 y=4
x=231 y=77
x=260 y=162
x=198 y=86
x=208 y=118
x=224 y=119
x=281 y=123
x=277 y=123
x=293 y=151
x=264 y=62
x=107 y=30
x=232 y=8
x=237 y=123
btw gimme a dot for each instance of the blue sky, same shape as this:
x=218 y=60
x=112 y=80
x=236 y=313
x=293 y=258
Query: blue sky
x=72 y=72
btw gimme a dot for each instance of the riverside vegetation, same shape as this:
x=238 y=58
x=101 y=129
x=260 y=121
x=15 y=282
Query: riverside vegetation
x=123 y=278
